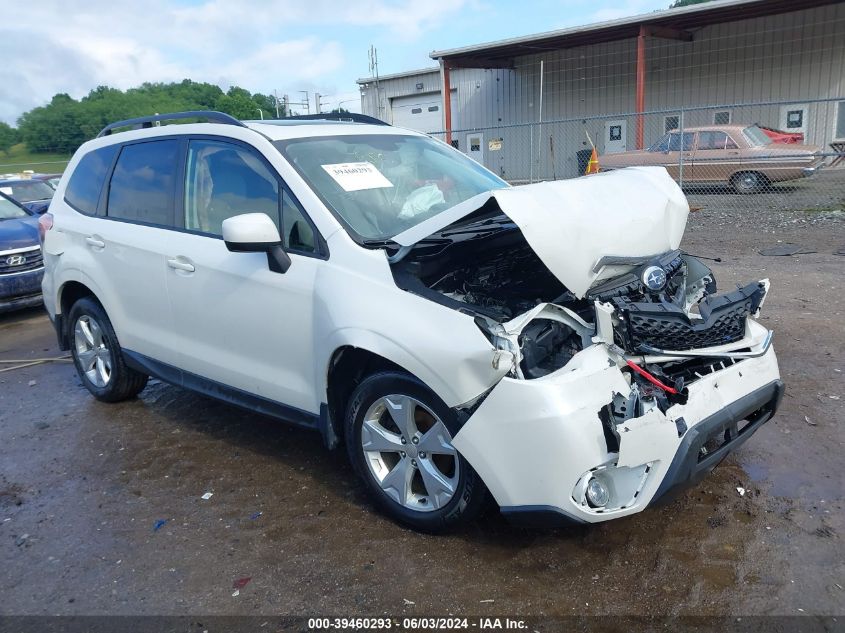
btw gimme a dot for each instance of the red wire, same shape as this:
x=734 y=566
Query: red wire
x=642 y=372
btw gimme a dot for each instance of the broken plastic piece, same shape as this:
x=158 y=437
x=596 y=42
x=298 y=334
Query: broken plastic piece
x=159 y=524
x=783 y=250
x=207 y=496
x=240 y=583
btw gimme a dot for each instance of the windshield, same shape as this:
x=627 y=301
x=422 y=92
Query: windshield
x=28 y=190
x=10 y=211
x=380 y=185
x=756 y=136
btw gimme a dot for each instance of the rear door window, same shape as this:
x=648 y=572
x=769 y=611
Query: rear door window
x=143 y=184
x=86 y=182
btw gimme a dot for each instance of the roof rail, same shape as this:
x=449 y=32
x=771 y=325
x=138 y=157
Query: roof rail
x=354 y=117
x=147 y=121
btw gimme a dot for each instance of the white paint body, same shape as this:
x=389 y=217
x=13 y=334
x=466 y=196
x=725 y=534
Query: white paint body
x=225 y=317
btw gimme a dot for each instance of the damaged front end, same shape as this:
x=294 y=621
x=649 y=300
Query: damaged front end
x=627 y=374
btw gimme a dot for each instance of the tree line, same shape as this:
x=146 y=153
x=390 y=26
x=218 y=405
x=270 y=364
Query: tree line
x=62 y=125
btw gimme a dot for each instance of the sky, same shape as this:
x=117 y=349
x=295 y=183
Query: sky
x=52 y=46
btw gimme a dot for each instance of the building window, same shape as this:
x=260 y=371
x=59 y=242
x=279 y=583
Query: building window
x=840 y=121
x=456 y=144
x=671 y=123
x=433 y=108
x=722 y=118
x=794 y=119
x=416 y=110
x=615 y=132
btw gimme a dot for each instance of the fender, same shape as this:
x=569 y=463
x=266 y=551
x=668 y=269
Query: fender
x=472 y=376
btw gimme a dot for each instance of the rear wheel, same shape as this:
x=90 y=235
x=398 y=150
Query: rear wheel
x=749 y=182
x=399 y=439
x=97 y=354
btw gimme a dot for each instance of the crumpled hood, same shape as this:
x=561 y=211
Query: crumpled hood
x=572 y=224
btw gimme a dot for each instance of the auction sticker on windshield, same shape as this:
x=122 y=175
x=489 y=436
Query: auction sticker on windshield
x=357 y=176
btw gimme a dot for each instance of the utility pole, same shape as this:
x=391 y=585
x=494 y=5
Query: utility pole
x=307 y=102
x=374 y=74
x=317 y=101
x=276 y=102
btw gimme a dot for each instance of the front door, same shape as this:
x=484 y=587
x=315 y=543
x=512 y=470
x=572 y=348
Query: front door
x=475 y=147
x=615 y=137
x=675 y=153
x=242 y=324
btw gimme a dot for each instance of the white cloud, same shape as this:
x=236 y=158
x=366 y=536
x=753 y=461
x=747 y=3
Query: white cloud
x=627 y=8
x=60 y=46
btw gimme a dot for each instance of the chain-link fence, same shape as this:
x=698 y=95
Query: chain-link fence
x=725 y=151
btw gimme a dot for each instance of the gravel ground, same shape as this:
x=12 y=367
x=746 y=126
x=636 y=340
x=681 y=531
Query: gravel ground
x=101 y=509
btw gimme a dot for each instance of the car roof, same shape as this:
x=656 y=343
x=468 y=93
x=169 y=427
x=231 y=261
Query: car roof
x=283 y=129
x=731 y=128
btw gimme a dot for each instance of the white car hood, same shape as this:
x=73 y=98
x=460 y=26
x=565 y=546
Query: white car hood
x=572 y=224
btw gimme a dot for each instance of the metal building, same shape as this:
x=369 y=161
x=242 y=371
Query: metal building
x=526 y=106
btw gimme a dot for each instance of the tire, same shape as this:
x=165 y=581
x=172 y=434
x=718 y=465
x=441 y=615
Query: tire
x=436 y=489
x=749 y=182
x=97 y=355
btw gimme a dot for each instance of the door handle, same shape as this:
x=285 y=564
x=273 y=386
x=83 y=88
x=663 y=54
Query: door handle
x=180 y=263
x=95 y=242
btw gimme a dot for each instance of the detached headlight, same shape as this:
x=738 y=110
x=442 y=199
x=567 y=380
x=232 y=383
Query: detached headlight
x=546 y=346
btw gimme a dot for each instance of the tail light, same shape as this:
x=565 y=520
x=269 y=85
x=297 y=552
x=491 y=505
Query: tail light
x=45 y=223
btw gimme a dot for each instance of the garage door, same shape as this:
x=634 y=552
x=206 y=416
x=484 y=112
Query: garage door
x=423 y=113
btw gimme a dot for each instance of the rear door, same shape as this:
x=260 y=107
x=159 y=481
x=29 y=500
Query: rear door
x=716 y=158
x=130 y=245
x=239 y=323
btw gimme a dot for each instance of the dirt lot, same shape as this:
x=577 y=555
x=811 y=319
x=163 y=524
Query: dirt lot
x=84 y=487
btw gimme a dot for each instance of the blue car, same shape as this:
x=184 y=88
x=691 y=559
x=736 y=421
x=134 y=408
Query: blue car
x=33 y=193
x=21 y=262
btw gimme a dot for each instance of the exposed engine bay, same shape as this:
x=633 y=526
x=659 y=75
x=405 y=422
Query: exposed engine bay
x=654 y=304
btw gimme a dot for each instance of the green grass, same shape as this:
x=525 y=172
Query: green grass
x=19 y=158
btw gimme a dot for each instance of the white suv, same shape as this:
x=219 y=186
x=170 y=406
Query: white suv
x=547 y=343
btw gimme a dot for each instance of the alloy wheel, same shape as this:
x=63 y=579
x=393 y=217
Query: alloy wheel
x=92 y=351
x=409 y=452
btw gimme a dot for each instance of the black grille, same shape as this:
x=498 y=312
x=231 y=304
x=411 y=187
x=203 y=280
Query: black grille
x=20 y=262
x=665 y=326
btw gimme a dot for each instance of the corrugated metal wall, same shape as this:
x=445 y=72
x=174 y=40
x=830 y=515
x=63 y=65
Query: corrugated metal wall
x=794 y=56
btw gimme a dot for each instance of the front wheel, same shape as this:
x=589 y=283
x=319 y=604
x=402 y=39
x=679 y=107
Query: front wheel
x=97 y=354
x=399 y=439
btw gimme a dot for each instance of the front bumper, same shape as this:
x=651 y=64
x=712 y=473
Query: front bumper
x=20 y=290
x=533 y=442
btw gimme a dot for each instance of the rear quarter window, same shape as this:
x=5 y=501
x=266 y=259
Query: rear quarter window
x=143 y=184
x=86 y=182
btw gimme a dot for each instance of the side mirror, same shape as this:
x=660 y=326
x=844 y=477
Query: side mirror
x=256 y=233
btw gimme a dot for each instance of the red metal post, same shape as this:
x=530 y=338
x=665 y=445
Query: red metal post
x=447 y=101
x=641 y=86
